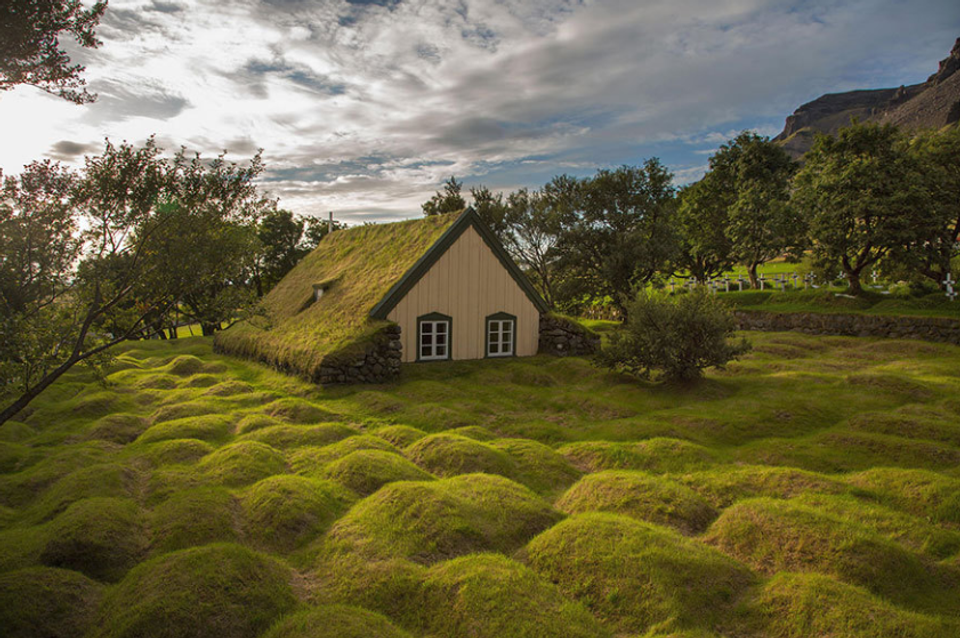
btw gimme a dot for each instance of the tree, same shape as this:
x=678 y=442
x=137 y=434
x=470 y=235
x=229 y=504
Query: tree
x=750 y=177
x=617 y=228
x=30 y=49
x=89 y=261
x=448 y=201
x=674 y=337
x=528 y=227
x=705 y=249
x=939 y=155
x=863 y=194
x=316 y=229
x=279 y=234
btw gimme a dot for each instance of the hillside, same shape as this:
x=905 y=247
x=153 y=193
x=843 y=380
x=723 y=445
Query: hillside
x=932 y=104
x=812 y=489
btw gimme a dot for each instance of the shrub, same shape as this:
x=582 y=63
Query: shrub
x=366 y=471
x=100 y=537
x=636 y=575
x=674 y=337
x=48 y=602
x=640 y=496
x=430 y=521
x=335 y=621
x=488 y=596
x=202 y=592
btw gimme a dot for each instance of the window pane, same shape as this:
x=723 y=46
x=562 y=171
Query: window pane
x=508 y=326
x=441 y=339
x=441 y=327
x=441 y=351
x=426 y=327
x=494 y=348
x=426 y=340
x=425 y=351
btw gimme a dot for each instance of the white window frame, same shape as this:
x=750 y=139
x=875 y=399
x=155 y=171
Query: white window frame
x=501 y=329
x=427 y=326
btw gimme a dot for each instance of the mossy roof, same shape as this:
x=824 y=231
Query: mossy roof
x=364 y=272
x=358 y=266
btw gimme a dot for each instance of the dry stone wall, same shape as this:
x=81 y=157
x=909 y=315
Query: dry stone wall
x=378 y=363
x=562 y=337
x=939 y=329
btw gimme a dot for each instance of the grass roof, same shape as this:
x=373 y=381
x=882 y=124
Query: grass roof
x=357 y=267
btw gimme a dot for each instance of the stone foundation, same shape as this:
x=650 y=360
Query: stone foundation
x=378 y=363
x=563 y=337
x=938 y=329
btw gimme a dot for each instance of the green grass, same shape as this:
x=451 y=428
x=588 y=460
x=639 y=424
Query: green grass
x=839 y=300
x=811 y=489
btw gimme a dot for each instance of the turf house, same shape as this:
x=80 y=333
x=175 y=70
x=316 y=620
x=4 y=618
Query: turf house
x=370 y=298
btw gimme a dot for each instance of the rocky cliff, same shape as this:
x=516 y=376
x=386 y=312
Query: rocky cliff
x=932 y=104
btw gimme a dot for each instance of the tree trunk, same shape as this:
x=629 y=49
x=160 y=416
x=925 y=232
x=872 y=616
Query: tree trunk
x=853 y=278
x=752 y=273
x=209 y=328
x=24 y=399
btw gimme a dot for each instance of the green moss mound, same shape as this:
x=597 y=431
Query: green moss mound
x=200 y=381
x=13 y=456
x=475 y=432
x=47 y=602
x=311 y=460
x=635 y=575
x=118 y=428
x=804 y=605
x=194 y=517
x=243 y=463
x=285 y=512
x=366 y=471
x=292 y=436
x=298 y=411
x=400 y=435
x=641 y=496
x=185 y=365
x=21 y=488
x=488 y=596
x=539 y=467
x=921 y=492
x=203 y=592
x=100 y=537
x=450 y=455
x=176 y=411
x=430 y=521
x=16 y=432
x=335 y=621
x=657 y=455
x=254 y=422
x=724 y=486
x=772 y=536
x=102 y=479
x=212 y=427
x=158 y=381
x=176 y=451
x=229 y=388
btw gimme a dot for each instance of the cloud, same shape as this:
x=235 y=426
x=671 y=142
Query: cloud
x=69 y=151
x=367 y=106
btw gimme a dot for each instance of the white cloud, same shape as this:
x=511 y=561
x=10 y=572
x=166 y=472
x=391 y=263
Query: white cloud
x=368 y=106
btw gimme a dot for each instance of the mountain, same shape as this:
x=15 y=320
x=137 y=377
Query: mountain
x=931 y=104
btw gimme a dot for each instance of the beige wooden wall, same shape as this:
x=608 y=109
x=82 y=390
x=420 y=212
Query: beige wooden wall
x=468 y=283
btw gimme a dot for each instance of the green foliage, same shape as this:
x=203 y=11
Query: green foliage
x=640 y=496
x=862 y=195
x=674 y=337
x=30 y=45
x=43 y=601
x=448 y=201
x=211 y=591
x=488 y=595
x=636 y=576
x=703 y=218
x=335 y=621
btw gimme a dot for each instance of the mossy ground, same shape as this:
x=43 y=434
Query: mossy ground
x=811 y=489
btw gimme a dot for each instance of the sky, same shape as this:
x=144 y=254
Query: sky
x=363 y=107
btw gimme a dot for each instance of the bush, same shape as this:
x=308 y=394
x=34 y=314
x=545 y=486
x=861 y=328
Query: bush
x=675 y=338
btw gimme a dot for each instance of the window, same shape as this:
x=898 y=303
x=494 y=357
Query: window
x=433 y=337
x=501 y=335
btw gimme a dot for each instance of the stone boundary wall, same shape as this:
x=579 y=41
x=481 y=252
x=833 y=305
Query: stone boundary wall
x=379 y=363
x=562 y=337
x=938 y=329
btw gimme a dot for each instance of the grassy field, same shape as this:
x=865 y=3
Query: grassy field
x=811 y=489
